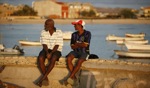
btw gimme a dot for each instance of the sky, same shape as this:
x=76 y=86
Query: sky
x=136 y=4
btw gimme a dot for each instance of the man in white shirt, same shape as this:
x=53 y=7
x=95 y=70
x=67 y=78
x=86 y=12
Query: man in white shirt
x=52 y=42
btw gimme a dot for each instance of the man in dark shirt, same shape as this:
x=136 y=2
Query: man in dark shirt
x=80 y=42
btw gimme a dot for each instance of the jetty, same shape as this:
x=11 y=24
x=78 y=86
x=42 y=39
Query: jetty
x=23 y=72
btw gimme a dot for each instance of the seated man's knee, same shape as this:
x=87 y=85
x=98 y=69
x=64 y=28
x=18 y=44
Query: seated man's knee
x=57 y=54
x=80 y=61
x=41 y=58
x=70 y=58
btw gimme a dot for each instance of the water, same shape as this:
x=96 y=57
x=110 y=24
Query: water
x=12 y=33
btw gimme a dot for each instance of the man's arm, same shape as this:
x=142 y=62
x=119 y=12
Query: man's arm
x=55 y=48
x=84 y=44
x=45 y=48
x=43 y=41
x=86 y=41
x=79 y=45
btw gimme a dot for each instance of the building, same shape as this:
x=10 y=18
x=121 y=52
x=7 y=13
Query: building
x=146 y=11
x=6 y=9
x=108 y=12
x=50 y=8
x=64 y=9
x=76 y=7
x=46 y=8
x=54 y=9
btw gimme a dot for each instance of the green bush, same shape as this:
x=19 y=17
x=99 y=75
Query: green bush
x=127 y=13
x=25 y=11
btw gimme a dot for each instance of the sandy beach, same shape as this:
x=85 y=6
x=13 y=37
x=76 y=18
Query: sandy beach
x=68 y=21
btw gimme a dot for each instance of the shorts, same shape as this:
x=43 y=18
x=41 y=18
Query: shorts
x=79 y=55
x=56 y=53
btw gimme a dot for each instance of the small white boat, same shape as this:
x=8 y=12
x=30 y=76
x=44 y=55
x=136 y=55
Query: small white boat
x=127 y=54
x=29 y=43
x=2 y=47
x=131 y=46
x=67 y=35
x=142 y=42
x=135 y=35
x=16 y=50
x=114 y=38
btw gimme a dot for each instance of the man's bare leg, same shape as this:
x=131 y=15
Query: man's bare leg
x=69 y=61
x=76 y=68
x=42 y=67
x=49 y=68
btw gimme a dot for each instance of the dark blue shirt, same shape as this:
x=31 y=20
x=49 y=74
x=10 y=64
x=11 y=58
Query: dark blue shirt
x=84 y=37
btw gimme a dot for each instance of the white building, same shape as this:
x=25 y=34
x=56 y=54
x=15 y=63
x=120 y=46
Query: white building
x=76 y=7
x=47 y=8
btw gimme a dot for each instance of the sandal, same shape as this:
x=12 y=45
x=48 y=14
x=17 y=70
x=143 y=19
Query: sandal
x=70 y=81
x=45 y=82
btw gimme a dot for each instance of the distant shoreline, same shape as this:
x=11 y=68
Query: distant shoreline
x=68 y=21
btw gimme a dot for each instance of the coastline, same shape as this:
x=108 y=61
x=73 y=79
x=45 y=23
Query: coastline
x=68 y=21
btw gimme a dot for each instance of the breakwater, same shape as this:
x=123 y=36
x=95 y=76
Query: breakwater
x=94 y=73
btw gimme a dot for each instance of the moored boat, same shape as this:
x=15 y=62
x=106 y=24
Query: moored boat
x=29 y=43
x=128 y=54
x=67 y=35
x=135 y=35
x=114 y=38
x=142 y=42
x=16 y=50
x=131 y=46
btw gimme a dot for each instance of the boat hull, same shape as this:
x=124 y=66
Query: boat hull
x=30 y=43
x=67 y=35
x=135 y=35
x=114 y=38
x=131 y=47
x=127 y=54
x=142 y=42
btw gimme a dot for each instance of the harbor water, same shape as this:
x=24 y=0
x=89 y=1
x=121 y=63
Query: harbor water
x=10 y=34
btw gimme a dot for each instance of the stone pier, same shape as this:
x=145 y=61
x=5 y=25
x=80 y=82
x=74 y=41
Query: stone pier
x=95 y=73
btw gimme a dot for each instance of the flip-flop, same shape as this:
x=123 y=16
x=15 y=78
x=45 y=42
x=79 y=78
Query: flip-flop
x=39 y=84
x=63 y=82
x=70 y=81
x=45 y=82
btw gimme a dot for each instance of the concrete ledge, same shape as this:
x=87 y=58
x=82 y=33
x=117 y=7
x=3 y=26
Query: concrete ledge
x=95 y=73
x=91 y=63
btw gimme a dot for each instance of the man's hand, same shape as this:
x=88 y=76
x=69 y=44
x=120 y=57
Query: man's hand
x=49 y=56
x=74 y=46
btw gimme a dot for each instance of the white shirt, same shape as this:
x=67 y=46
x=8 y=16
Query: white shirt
x=51 y=40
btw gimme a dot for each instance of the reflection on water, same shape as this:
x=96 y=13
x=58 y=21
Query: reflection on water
x=12 y=33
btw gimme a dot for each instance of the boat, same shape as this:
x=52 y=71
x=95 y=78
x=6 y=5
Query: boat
x=131 y=46
x=29 y=43
x=128 y=54
x=114 y=38
x=135 y=35
x=16 y=50
x=142 y=42
x=67 y=35
x=1 y=47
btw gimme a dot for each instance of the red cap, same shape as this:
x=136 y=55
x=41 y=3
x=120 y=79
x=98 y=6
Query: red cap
x=81 y=22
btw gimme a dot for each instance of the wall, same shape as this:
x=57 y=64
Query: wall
x=47 y=8
x=94 y=73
